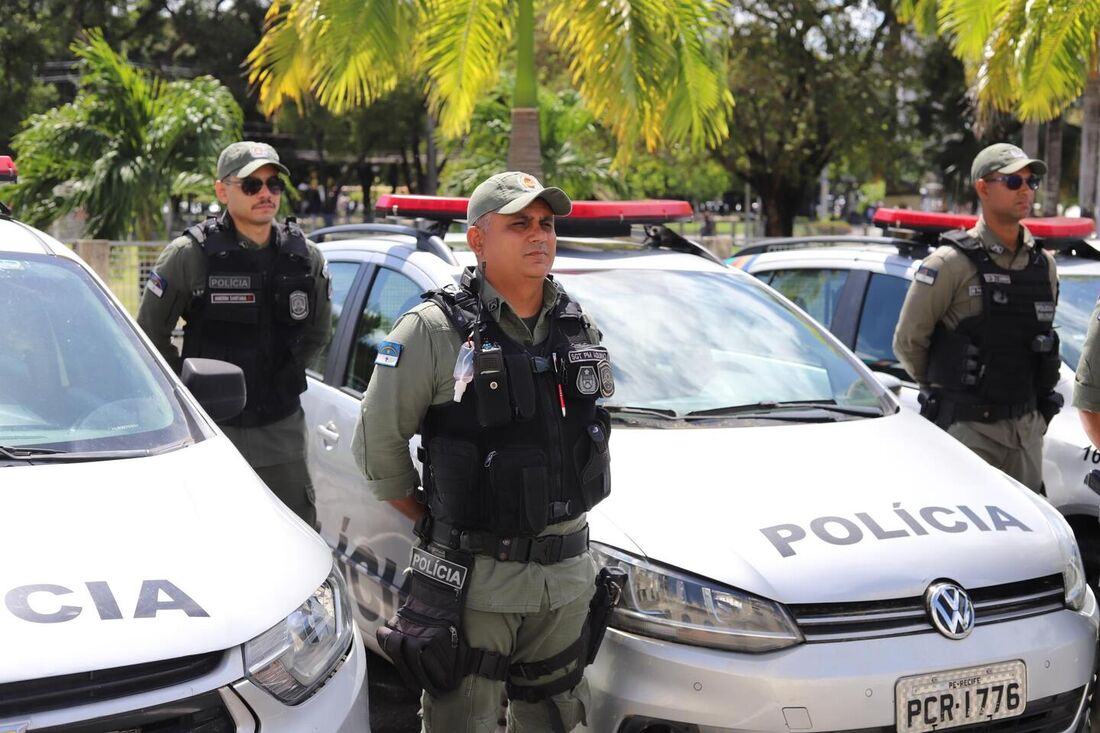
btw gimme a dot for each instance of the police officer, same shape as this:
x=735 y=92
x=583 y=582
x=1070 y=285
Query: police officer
x=255 y=294
x=515 y=452
x=1086 y=386
x=976 y=329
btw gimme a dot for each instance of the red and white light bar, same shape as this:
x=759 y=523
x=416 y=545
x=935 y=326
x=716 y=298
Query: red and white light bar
x=1054 y=227
x=620 y=212
x=7 y=169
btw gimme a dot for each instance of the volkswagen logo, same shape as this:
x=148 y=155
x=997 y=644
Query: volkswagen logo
x=950 y=609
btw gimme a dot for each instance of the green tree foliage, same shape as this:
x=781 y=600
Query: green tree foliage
x=817 y=83
x=649 y=71
x=125 y=144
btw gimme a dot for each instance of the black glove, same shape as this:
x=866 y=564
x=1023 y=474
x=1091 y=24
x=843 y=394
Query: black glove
x=1050 y=405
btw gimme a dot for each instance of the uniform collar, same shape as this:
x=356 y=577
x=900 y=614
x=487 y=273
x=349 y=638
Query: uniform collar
x=225 y=221
x=992 y=243
x=495 y=302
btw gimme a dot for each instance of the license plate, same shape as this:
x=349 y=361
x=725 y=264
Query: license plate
x=960 y=697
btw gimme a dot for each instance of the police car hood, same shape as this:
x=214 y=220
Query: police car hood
x=867 y=509
x=121 y=562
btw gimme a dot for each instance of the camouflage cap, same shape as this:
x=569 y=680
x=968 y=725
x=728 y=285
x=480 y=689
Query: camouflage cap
x=511 y=192
x=1004 y=158
x=241 y=159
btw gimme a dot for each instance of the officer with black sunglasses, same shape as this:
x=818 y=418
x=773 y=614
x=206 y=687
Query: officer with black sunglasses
x=256 y=294
x=976 y=330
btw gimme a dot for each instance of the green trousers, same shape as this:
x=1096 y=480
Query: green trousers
x=1014 y=446
x=291 y=483
x=476 y=706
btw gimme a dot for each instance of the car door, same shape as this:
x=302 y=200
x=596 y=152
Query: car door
x=371 y=538
x=821 y=292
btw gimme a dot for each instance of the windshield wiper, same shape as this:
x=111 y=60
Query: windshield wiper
x=16 y=453
x=644 y=411
x=49 y=455
x=776 y=410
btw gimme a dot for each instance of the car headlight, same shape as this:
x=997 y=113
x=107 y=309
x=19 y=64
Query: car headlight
x=293 y=658
x=1073 y=575
x=667 y=604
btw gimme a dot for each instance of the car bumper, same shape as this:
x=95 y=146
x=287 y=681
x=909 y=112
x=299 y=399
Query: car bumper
x=826 y=686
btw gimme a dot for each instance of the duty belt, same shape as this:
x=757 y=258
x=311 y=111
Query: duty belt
x=967 y=412
x=545 y=549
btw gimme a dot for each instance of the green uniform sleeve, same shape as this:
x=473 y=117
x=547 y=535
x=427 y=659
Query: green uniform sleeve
x=394 y=404
x=165 y=298
x=925 y=305
x=319 y=329
x=1086 y=384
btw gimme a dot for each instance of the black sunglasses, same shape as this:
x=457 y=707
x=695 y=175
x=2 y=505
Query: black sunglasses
x=250 y=186
x=1013 y=182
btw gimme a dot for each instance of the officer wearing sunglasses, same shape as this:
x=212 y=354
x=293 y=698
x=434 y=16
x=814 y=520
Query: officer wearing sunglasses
x=976 y=329
x=254 y=293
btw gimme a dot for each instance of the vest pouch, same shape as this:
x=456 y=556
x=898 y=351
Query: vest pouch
x=494 y=408
x=521 y=490
x=592 y=459
x=521 y=384
x=295 y=299
x=424 y=638
x=587 y=373
x=456 y=493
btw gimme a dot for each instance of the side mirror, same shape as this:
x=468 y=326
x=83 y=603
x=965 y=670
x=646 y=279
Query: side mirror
x=217 y=385
x=889 y=381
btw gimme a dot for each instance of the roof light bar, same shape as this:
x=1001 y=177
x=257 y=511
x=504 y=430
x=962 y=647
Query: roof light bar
x=1054 y=227
x=8 y=173
x=618 y=212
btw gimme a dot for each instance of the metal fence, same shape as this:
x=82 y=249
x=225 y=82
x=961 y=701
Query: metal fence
x=124 y=266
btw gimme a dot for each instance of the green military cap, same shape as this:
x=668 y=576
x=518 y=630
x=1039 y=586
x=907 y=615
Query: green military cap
x=510 y=192
x=1004 y=158
x=240 y=159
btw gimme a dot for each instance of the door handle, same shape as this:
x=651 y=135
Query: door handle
x=330 y=436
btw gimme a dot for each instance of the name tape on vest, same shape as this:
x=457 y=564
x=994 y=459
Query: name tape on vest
x=233 y=298
x=438 y=569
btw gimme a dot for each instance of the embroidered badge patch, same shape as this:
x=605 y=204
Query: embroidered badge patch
x=1044 y=311
x=389 y=353
x=974 y=291
x=587 y=381
x=437 y=568
x=299 y=305
x=994 y=277
x=926 y=275
x=156 y=284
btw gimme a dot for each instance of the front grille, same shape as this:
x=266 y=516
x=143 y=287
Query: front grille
x=1045 y=715
x=204 y=713
x=832 y=622
x=18 y=699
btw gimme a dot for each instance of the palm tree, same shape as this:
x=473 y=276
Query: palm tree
x=652 y=71
x=1033 y=58
x=123 y=146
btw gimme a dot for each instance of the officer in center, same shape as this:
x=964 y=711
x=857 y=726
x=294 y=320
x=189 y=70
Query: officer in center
x=500 y=376
x=255 y=294
x=976 y=329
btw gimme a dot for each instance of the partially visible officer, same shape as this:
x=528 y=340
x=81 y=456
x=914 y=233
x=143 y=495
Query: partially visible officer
x=256 y=295
x=976 y=330
x=1086 y=385
x=501 y=584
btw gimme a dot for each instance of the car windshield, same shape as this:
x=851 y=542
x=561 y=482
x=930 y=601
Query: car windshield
x=74 y=376
x=685 y=342
x=1076 y=298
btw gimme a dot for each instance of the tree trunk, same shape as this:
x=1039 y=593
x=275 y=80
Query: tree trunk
x=1031 y=139
x=1090 y=147
x=1054 y=167
x=780 y=207
x=524 y=151
x=431 y=180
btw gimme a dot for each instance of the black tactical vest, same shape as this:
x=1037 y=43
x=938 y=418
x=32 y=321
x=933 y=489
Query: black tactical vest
x=1007 y=354
x=508 y=458
x=252 y=313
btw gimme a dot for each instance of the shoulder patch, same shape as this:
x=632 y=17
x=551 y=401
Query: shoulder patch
x=156 y=285
x=389 y=353
x=926 y=275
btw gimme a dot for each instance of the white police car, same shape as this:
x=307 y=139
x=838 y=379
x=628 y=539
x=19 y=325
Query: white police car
x=791 y=565
x=150 y=582
x=855 y=287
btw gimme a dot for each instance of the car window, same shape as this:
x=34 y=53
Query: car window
x=815 y=291
x=74 y=376
x=341 y=275
x=881 y=309
x=1076 y=298
x=737 y=346
x=391 y=294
